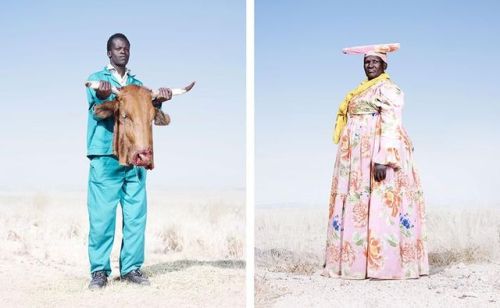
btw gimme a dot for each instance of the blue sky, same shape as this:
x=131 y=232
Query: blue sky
x=447 y=66
x=49 y=48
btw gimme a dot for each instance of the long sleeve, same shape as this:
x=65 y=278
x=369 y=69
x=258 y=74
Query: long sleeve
x=92 y=98
x=390 y=101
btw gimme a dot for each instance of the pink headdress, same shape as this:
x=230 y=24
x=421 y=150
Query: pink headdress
x=379 y=50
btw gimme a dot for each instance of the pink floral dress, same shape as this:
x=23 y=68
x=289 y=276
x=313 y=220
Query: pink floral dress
x=376 y=229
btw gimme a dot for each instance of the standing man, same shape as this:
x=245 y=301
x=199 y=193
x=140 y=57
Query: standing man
x=111 y=183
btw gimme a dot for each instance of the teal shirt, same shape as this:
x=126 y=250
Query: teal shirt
x=100 y=132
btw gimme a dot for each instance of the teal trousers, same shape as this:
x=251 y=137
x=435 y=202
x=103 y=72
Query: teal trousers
x=110 y=184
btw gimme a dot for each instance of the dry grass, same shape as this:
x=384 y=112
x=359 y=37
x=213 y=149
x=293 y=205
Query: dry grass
x=292 y=240
x=42 y=224
x=464 y=257
x=194 y=249
x=471 y=235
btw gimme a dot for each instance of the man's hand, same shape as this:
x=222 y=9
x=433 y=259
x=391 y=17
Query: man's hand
x=379 y=172
x=164 y=94
x=104 y=90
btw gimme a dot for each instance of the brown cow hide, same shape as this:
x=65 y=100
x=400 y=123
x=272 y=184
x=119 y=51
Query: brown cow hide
x=120 y=148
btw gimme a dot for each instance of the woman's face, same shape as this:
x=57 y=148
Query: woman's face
x=374 y=66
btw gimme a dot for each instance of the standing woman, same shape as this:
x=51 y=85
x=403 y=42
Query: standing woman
x=376 y=212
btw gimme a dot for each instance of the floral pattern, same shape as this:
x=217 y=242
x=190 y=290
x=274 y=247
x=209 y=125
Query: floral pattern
x=376 y=229
x=375 y=258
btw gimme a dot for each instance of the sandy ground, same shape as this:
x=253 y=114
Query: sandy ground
x=464 y=257
x=194 y=252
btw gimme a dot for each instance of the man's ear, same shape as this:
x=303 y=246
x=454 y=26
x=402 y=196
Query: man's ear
x=161 y=118
x=106 y=110
x=385 y=66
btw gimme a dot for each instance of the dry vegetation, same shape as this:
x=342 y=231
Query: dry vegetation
x=464 y=256
x=194 y=251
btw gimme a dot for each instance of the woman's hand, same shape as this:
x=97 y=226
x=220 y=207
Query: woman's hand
x=379 y=172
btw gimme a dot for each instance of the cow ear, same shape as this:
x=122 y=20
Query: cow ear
x=161 y=118
x=106 y=110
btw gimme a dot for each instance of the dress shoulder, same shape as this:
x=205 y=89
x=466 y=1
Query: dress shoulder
x=391 y=93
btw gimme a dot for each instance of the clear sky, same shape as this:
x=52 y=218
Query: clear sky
x=448 y=67
x=49 y=48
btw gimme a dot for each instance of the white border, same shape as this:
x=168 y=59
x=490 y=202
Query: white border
x=250 y=155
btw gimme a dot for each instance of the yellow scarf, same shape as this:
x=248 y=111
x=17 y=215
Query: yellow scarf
x=342 y=113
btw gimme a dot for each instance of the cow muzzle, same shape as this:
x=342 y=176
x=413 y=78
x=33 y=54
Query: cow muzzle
x=142 y=158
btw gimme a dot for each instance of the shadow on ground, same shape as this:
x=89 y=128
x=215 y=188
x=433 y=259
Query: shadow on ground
x=179 y=265
x=303 y=263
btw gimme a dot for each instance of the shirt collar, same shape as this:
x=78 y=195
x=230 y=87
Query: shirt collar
x=112 y=69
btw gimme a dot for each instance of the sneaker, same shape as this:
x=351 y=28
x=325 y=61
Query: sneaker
x=137 y=277
x=99 y=280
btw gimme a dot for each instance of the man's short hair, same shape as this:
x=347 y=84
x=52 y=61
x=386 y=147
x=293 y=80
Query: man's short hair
x=116 y=36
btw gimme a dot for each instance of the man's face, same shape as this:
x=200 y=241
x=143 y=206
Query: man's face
x=119 y=53
x=374 y=66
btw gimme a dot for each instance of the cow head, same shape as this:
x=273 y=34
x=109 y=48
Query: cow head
x=134 y=115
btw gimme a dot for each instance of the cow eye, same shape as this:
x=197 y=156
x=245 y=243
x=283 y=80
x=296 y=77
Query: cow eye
x=124 y=115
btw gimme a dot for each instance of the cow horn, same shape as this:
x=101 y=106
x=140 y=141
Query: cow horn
x=93 y=84
x=177 y=91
